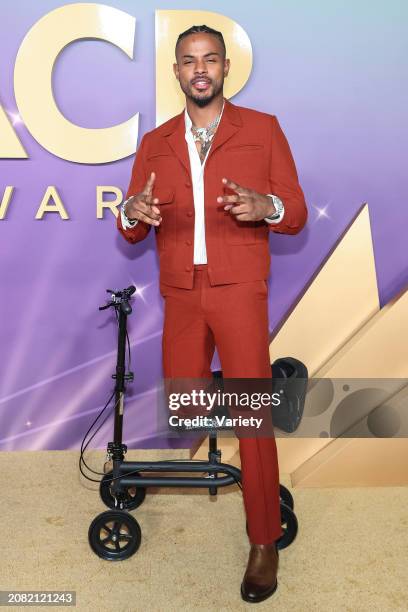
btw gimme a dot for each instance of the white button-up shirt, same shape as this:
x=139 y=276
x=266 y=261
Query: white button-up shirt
x=197 y=176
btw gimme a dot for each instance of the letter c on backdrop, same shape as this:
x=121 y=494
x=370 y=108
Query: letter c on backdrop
x=33 y=83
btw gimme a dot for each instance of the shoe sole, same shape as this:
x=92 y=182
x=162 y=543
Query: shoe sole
x=260 y=597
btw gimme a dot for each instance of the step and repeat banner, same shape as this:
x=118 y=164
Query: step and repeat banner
x=80 y=83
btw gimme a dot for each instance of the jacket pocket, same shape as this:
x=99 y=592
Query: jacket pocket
x=155 y=154
x=239 y=232
x=246 y=232
x=165 y=196
x=244 y=147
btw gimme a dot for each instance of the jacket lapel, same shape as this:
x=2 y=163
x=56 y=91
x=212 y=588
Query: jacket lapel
x=177 y=141
x=229 y=125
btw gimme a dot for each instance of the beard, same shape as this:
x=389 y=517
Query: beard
x=202 y=101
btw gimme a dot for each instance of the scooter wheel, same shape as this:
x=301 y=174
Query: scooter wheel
x=289 y=524
x=286 y=497
x=114 y=535
x=134 y=495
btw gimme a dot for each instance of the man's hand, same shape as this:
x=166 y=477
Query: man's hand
x=142 y=205
x=247 y=204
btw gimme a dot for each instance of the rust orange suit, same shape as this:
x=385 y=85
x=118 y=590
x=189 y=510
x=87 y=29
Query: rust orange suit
x=224 y=303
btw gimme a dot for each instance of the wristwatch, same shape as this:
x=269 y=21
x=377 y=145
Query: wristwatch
x=123 y=207
x=278 y=204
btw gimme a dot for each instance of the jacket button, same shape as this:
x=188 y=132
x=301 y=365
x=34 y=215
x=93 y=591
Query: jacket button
x=188 y=184
x=188 y=268
x=190 y=213
x=188 y=242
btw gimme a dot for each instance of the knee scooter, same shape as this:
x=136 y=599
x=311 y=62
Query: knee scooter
x=115 y=534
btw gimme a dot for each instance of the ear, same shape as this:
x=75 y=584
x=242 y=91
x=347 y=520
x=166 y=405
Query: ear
x=226 y=67
x=176 y=71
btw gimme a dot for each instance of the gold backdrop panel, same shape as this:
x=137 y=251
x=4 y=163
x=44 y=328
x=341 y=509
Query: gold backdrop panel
x=342 y=296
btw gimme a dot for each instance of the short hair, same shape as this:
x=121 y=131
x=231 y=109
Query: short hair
x=202 y=29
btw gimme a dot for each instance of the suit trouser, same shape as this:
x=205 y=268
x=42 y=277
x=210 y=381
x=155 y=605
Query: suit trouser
x=234 y=318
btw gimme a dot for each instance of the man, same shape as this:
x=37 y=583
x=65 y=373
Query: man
x=213 y=181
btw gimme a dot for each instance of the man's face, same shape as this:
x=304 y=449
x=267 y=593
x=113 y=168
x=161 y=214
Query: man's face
x=201 y=67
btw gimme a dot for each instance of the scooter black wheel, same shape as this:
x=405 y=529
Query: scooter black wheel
x=289 y=524
x=286 y=497
x=114 y=535
x=134 y=495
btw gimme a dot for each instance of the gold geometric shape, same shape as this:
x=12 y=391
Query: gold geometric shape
x=357 y=462
x=341 y=296
x=370 y=461
x=338 y=300
x=378 y=350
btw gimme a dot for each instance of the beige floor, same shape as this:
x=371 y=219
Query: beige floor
x=351 y=552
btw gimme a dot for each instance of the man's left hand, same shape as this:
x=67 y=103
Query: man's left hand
x=247 y=204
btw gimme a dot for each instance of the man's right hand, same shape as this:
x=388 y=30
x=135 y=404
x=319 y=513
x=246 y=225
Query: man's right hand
x=141 y=207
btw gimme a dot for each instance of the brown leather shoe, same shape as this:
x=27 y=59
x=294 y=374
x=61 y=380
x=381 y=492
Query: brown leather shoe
x=260 y=579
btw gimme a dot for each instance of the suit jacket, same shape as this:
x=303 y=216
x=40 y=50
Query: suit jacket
x=249 y=148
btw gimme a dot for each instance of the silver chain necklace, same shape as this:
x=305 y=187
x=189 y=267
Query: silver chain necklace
x=205 y=135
